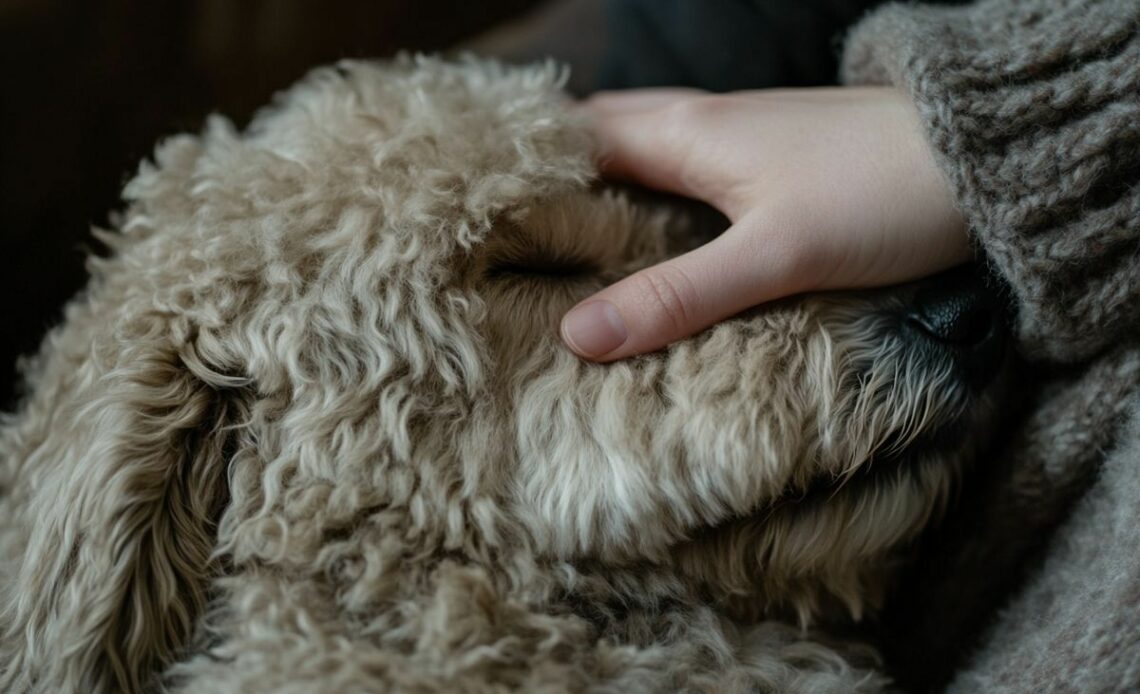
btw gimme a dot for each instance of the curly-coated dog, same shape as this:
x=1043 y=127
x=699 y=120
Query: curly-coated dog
x=311 y=427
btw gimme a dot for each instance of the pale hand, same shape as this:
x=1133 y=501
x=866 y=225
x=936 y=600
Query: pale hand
x=825 y=188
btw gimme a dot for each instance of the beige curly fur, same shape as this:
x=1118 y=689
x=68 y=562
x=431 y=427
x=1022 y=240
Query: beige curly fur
x=311 y=429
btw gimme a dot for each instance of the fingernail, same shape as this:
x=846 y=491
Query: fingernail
x=594 y=328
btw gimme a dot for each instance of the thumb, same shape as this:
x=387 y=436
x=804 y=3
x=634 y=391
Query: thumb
x=676 y=298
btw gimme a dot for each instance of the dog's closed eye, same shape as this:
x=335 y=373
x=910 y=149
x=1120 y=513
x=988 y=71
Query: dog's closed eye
x=563 y=239
x=535 y=264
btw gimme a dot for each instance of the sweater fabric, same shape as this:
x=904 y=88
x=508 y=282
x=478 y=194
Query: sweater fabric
x=1033 y=107
x=1033 y=110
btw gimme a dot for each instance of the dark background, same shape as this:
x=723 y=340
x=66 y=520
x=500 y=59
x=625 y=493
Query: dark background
x=89 y=86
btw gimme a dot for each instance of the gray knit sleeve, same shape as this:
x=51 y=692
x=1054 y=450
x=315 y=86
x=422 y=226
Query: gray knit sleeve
x=1033 y=109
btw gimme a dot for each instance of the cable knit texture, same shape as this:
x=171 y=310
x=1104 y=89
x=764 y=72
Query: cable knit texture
x=1033 y=107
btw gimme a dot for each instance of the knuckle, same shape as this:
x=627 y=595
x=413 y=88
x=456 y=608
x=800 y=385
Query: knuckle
x=685 y=115
x=687 y=126
x=670 y=294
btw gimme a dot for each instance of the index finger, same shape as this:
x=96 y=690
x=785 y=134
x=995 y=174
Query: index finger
x=643 y=139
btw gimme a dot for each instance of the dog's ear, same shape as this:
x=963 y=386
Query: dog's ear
x=112 y=474
x=118 y=486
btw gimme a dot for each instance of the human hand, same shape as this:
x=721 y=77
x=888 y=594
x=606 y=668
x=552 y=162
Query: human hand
x=826 y=188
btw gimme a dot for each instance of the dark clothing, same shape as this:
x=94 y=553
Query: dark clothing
x=726 y=45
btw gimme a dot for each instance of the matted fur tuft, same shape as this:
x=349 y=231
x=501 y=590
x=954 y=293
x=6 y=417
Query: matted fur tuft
x=311 y=428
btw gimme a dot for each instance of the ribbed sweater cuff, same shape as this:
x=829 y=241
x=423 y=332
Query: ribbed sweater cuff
x=1033 y=110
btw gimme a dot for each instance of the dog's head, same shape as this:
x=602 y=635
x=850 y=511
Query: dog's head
x=329 y=345
x=779 y=457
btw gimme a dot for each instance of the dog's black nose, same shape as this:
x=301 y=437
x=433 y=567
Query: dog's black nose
x=960 y=314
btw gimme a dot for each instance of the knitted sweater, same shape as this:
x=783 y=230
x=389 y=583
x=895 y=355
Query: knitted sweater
x=1033 y=110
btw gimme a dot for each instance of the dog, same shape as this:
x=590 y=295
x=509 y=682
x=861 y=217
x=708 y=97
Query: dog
x=311 y=428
